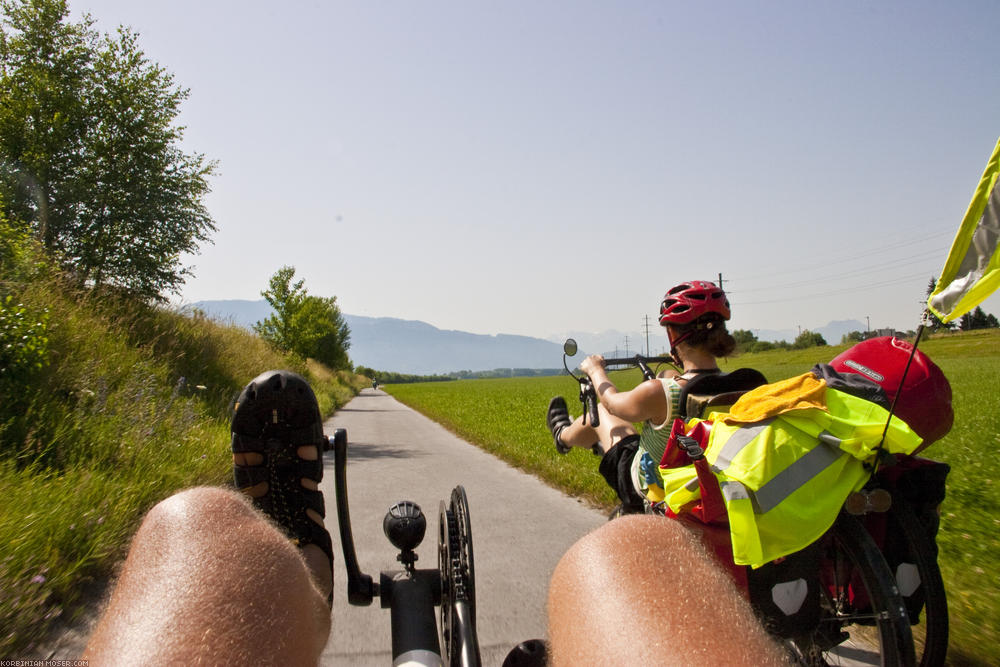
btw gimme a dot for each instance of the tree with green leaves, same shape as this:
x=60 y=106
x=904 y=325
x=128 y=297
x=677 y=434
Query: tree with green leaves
x=89 y=151
x=745 y=339
x=977 y=319
x=808 y=339
x=309 y=326
x=853 y=337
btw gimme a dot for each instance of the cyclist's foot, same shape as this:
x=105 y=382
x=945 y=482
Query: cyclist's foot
x=277 y=460
x=557 y=419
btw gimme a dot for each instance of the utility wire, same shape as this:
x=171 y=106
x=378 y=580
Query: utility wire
x=839 y=276
x=855 y=256
x=866 y=286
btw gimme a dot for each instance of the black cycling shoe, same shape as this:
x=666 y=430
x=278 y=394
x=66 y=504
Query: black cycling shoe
x=557 y=419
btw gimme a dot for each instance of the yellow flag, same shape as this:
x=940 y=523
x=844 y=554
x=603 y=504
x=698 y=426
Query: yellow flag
x=972 y=271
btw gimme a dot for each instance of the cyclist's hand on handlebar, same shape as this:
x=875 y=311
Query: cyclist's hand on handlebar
x=592 y=363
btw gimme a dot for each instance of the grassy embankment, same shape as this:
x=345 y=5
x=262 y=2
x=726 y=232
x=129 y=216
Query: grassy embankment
x=506 y=417
x=104 y=431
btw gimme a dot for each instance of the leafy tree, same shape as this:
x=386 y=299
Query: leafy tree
x=977 y=319
x=808 y=339
x=853 y=337
x=44 y=71
x=745 y=339
x=145 y=196
x=89 y=151
x=309 y=326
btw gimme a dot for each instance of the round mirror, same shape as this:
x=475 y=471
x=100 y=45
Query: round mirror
x=569 y=347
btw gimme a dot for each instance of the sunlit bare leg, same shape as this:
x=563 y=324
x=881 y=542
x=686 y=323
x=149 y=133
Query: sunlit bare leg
x=609 y=431
x=208 y=580
x=642 y=589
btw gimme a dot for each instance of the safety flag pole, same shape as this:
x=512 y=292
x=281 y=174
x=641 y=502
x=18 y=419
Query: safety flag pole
x=880 y=450
x=970 y=274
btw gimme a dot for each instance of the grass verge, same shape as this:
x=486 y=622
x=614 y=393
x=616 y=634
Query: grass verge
x=132 y=406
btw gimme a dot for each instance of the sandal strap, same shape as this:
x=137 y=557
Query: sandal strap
x=284 y=437
x=247 y=476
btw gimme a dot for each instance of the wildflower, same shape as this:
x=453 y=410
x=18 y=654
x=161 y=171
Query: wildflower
x=38 y=579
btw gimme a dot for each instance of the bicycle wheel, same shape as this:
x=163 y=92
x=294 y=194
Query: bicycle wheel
x=863 y=620
x=919 y=580
x=459 y=640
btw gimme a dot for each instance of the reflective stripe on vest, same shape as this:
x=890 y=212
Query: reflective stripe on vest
x=737 y=441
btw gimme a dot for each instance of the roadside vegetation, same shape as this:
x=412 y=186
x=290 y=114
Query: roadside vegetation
x=506 y=418
x=109 y=406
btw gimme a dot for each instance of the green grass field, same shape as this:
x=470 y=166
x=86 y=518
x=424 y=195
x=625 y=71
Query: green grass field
x=506 y=417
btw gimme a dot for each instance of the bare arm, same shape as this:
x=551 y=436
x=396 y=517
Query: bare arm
x=646 y=401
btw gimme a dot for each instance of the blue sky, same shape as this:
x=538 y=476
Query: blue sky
x=538 y=167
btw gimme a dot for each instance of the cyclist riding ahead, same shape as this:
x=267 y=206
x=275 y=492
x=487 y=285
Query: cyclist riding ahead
x=694 y=314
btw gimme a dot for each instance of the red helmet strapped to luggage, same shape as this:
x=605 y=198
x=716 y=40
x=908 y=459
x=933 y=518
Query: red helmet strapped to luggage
x=924 y=401
x=688 y=301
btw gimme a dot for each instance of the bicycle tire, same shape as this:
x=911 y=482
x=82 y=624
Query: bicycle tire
x=459 y=639
x=858 y=591
x=930 y=637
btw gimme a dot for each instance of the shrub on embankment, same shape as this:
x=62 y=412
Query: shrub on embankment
x=506 y=417
x=115 y=406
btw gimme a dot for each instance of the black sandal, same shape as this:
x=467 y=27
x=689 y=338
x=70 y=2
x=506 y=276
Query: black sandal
x=557 y=418
x=276 y=414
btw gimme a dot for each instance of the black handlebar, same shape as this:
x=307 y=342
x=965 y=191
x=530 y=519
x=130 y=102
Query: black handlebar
x=639 y=360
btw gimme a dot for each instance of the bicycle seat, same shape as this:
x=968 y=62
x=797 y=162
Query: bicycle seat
x=714 y=392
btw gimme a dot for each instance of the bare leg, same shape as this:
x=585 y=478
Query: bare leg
x=644 y=587
x=609 y=431
x=209 y=580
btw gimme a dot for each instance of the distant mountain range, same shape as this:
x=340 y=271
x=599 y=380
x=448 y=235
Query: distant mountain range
x=412 y=346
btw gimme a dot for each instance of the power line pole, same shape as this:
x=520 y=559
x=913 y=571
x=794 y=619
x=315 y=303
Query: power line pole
x=626 y=346
x=720 y=281
x=646 y=328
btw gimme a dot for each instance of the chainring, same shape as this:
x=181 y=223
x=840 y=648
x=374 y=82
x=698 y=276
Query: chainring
x=455 y=563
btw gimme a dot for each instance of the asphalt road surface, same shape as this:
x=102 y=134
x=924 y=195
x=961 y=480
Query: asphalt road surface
x=520 y=526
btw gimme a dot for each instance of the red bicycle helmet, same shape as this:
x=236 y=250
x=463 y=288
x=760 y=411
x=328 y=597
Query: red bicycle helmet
x=924 y=401
x=688 y=301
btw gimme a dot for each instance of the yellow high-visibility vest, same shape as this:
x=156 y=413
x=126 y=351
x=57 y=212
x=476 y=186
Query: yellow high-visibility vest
x=785 y=478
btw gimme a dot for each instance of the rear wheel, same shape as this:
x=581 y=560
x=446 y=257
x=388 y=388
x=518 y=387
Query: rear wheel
x=863 y=619
x=919 y=580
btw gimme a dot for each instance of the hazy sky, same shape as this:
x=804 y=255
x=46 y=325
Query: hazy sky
x=533 y=167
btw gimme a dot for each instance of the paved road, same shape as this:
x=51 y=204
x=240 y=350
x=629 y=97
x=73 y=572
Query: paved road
x=520 y=527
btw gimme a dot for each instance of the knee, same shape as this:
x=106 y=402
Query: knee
x=197 y=508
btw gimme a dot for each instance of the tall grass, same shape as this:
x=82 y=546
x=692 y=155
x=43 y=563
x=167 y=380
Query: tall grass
x=132 y=406
x=506 y=417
